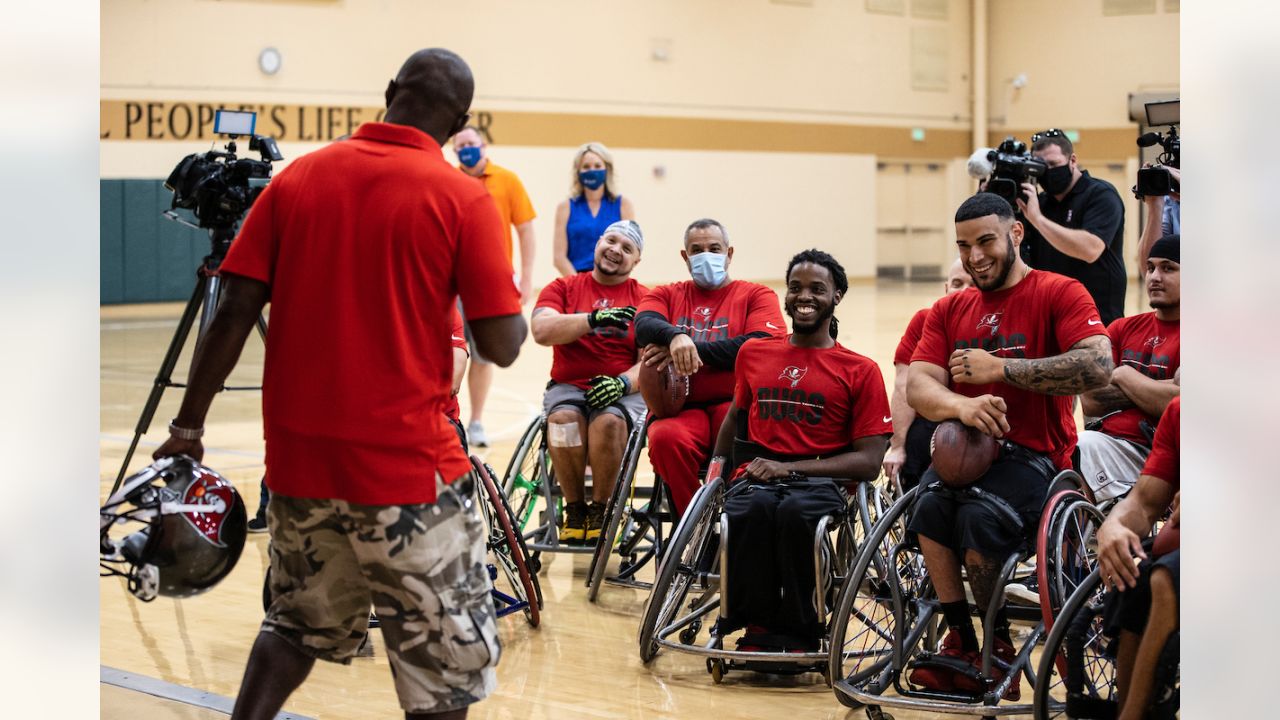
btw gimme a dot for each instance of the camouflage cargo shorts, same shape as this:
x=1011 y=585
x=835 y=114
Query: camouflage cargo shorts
x=421 y=567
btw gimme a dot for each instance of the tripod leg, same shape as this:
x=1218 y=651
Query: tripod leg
x=164 y=375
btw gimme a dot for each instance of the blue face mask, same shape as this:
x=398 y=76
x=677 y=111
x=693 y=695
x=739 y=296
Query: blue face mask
x=469 y=156
x=592 y=179
x=708 y=269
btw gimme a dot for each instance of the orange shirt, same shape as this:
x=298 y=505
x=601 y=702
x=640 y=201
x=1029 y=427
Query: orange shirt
x=509 y=195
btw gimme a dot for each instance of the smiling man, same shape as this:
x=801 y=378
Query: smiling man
x=699 y=325
x=593 y=395
x=809 y=419
x=1005 y=360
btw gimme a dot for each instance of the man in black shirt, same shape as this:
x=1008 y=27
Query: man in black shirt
x=1076 y=226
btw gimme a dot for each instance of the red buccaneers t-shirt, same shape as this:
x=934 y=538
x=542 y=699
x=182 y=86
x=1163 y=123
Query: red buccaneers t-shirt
x=809 y=401
x=1042 y=316
x=738 y=308
x=1150 y=346
x=458 y=341
x=365 y=245
x=604 y=350
x=907 y=345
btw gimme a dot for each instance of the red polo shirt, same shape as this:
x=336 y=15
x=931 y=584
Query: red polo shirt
x=365 y=244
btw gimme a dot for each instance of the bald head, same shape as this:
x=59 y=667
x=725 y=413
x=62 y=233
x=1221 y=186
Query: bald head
x=957 y=278
x=432 y=92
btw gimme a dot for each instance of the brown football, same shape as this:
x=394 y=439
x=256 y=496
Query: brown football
x=663 y=391
x=961 y=454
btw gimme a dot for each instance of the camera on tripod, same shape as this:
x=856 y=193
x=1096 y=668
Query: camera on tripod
x=1155 y=181
x=218 y=187
x=1011 y=166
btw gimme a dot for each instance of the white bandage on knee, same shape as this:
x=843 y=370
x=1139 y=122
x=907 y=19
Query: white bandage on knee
x=564 y=435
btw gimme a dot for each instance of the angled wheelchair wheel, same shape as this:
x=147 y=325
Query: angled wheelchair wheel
x=1076 y=676
x=619 y=508
x=685 y=578
x=526 y=477
x=507 y=551
x=876 y=609
x=1066 y=549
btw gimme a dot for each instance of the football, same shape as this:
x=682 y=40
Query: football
x=961 y=454
x=664 y=391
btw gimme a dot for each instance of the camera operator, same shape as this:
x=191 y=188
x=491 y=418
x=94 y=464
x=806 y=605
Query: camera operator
x=1076 y=226
x=1164 y=215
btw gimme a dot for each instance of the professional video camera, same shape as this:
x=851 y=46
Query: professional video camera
x=1156 y=180
x=1011 y=166
x=216 y=186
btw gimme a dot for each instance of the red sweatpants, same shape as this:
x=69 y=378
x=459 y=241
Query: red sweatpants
x=680 y=445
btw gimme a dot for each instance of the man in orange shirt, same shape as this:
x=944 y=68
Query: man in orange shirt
x=515 y=209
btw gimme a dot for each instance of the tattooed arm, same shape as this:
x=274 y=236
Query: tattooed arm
x=1086 y=366
x=1104 y=400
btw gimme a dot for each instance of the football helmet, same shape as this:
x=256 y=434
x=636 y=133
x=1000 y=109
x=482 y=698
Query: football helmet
x=194 y=529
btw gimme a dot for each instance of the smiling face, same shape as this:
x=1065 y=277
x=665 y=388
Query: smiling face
x=989 y=250
x=616 y=255
x=811 y=298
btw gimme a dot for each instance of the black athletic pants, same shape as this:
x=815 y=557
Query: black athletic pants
x=771 y=574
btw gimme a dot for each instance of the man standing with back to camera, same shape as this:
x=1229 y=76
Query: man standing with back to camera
x=1005 y=360
x=1076 y=226
x=361 y=247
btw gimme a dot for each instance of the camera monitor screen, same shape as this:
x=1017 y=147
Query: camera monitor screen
x=1163 y=113
x=234 y=122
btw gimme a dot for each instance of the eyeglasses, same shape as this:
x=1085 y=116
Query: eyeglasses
x=1051 y=132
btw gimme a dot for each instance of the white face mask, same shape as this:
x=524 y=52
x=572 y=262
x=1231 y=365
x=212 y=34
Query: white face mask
x=707 y=269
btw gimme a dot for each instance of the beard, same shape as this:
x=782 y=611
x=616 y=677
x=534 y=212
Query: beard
x=812 y=327
x=1163 y=304
x=1002 y=269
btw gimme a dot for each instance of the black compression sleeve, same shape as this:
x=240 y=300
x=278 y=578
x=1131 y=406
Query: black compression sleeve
x=719 y=355
x=652 y=328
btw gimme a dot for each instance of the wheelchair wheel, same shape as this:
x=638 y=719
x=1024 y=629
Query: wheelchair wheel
x=1066 y=549
x=526 y=477
x=619 y=506
x=506 y=546
x=876 y=607
x=1076 y=676
x=689 y=559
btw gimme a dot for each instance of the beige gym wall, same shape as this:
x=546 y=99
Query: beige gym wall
x=770 y=116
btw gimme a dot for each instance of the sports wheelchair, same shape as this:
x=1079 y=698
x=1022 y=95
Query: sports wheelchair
x=507 y=550
x=535 y=498
x=693 y=574
x=888 y=618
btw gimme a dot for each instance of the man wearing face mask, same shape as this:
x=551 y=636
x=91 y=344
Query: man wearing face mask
x=1075 y=227
x=515 y=209
x=699 y=325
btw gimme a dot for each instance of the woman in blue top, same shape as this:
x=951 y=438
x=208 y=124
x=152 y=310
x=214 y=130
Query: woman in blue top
x=593 y=205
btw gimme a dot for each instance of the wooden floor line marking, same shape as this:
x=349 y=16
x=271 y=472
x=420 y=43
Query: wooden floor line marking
x=177 y=693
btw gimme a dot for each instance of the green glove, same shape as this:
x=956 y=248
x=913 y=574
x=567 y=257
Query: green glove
x=606 y=390
x=618 y=317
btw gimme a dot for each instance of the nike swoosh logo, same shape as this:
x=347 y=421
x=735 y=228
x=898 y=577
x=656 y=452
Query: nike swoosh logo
x=454 y=337
x=888 y=419
x=771 y=325
x=1095 y=322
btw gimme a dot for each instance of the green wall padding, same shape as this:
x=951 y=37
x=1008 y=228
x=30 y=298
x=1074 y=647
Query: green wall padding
x=145 y=257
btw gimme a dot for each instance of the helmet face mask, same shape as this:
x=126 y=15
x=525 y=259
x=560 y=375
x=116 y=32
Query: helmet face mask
x=193 y=535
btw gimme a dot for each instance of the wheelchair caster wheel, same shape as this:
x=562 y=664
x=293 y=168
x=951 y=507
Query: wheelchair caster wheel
x=875 y=713
x=689 y=634
x=535 y=562
x=716 y=668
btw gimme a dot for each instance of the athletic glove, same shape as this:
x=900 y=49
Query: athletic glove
x=606 y=390
x=618 y=317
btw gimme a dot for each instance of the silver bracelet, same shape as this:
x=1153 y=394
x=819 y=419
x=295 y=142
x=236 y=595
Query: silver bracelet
x=182 y=433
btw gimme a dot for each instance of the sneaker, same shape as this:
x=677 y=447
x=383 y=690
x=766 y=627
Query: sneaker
x=1022 y=594
x=595 y=522
x=943 y=680
x=258 y=524
x=1004 y=651
x=475 y=434
x=573 y=524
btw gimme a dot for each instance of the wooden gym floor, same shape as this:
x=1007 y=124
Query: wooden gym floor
x=582 y=661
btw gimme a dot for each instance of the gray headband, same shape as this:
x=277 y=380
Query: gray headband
x=629 y=229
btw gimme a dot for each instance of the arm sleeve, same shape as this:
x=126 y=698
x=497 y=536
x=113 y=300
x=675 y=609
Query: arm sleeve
x=521 y=209
x=1073 y=312
x=902 y=356
x=1104 y=214
x=763 y=319
x=652 y=324
x=1163 y=460
x=482 y=269
x=870 y=414
x=253 y=254
x=722 y=354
